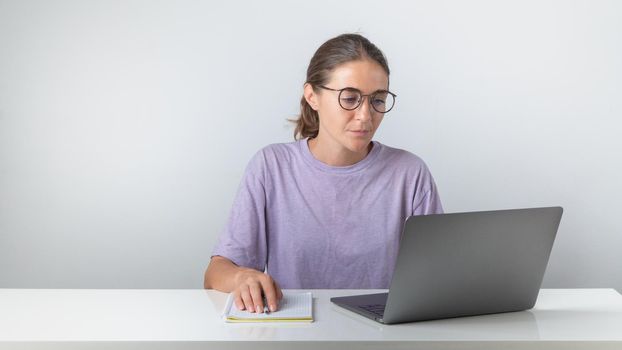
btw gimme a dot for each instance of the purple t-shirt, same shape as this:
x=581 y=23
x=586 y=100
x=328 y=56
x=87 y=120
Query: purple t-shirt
x=311 y=225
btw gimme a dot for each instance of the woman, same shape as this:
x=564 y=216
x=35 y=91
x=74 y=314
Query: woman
x=327 y=210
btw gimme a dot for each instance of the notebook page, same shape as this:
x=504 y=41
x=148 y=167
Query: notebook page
x=294 y=305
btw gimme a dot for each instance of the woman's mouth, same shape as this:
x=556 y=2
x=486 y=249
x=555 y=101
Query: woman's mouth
x=360 y=132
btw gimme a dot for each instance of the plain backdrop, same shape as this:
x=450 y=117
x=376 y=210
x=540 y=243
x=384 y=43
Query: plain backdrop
x=125 y=126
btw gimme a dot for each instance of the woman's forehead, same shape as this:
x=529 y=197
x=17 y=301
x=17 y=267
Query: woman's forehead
x=365 y=75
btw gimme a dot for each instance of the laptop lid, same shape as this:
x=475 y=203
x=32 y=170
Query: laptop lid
x=474 y=263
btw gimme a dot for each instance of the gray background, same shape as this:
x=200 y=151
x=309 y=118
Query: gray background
x=125 y=126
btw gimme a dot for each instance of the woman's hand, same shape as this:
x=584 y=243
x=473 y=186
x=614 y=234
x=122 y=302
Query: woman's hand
x=251 y=289
x=251 y=286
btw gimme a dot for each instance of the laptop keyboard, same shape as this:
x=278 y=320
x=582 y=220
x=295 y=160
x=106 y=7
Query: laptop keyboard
x=376 y=309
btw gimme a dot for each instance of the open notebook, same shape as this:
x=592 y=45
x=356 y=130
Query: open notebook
x=294 y=307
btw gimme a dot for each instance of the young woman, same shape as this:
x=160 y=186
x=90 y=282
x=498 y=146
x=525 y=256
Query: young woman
x=327 y=210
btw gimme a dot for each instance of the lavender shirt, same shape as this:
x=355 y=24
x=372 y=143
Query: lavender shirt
x=311 y=225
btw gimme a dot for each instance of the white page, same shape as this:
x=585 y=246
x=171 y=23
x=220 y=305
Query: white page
x=293 y=305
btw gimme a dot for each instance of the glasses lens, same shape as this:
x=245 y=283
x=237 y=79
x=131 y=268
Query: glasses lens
x=382 y=101
x=349 y=98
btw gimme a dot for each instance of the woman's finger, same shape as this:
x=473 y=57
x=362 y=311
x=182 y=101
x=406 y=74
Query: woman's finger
x=257 y=296
x=239 y=303
x=269 y=291
x=248 y=300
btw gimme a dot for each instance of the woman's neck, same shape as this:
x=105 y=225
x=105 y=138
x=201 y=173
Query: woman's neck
x=334 y=154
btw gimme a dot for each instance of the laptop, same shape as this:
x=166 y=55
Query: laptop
x=464 y=264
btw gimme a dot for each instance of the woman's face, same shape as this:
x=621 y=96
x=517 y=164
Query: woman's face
x=352 y=130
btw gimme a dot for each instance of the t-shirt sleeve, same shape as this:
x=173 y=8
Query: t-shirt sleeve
x=426 y=199
x=243 y=239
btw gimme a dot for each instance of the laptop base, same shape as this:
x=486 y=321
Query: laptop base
x=368 y=305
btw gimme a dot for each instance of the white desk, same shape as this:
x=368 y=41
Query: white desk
x=190 y=319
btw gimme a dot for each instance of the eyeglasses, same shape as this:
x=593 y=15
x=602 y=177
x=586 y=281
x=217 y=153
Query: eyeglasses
x=350 y=99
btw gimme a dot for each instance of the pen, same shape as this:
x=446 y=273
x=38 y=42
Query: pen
x=266 y=309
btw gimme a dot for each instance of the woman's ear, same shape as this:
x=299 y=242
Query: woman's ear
x=311 y=96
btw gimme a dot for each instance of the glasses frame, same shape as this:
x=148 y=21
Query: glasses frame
x=362 y=97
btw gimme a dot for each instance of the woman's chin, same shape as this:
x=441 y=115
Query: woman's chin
x=359 y=146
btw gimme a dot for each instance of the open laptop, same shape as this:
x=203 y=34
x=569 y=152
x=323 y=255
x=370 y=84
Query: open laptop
x=464 y=264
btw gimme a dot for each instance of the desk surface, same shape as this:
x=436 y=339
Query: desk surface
x=191 y=319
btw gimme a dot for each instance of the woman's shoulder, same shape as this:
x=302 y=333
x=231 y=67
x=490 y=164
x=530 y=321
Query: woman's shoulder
x=401 y=158
x=278 y=153
x=403 y=163
x=280 y=149
x=275 y=154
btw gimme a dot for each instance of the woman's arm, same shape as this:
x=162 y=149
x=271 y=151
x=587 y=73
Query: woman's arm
x=248 y=286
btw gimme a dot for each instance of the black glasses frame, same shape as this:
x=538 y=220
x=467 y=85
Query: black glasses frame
x=362 y=97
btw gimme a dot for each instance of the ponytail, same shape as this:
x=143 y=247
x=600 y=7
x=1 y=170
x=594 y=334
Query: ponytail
x=308 y=124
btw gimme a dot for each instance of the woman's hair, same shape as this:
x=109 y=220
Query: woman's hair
x=336 y=51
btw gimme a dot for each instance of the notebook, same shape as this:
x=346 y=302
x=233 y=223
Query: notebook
x=294 y=307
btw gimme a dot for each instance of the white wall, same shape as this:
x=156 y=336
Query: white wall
x=125 y=125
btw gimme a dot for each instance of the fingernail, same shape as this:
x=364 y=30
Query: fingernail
x=272 y=308
x=259 y=310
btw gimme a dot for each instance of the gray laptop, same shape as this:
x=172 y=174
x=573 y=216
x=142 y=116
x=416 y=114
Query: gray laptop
x=464 y=264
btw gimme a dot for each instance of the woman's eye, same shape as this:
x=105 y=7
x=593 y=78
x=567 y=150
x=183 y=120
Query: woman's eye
x=349 y=100
x=378 y=102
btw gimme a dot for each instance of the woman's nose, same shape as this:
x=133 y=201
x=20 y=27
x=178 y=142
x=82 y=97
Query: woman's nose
x=364 y=111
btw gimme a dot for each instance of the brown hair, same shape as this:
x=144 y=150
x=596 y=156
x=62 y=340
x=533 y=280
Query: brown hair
x=334 y=52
